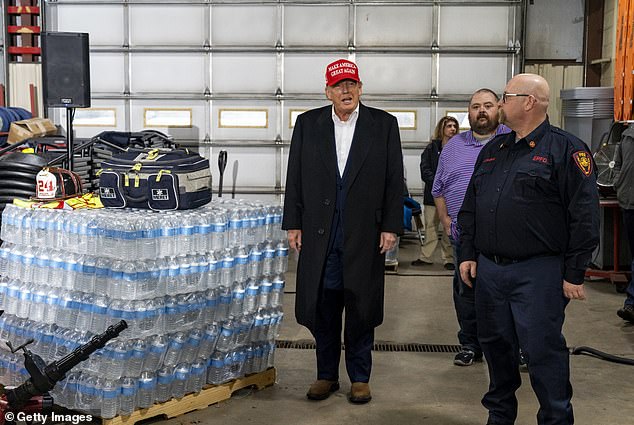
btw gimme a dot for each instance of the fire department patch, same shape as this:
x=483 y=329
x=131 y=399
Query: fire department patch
x=583 y=161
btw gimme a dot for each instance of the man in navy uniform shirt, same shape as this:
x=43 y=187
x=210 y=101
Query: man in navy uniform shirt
x=530 y=222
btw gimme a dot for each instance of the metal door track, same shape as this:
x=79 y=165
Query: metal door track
x=378 y=346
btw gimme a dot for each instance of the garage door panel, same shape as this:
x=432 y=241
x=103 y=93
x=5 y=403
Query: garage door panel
x=244 y=25
x=316 y=25
x=106 y=72
x=411 y=162
x=167 y=25
x=118 y=106
x=231 y=131
x=413 y=118
x=292 y=109
x=167 y=73
x=383 y=25
x=306 y=73
x=253 y=167
x=400 y=74
x=463 y=26
x=237 y=73
x=465 y=74
x=198 y=117
x=104 y=23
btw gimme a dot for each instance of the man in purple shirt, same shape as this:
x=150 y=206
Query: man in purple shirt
x=455 y=168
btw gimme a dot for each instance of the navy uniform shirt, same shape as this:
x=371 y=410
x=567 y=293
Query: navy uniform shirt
x=533 y=197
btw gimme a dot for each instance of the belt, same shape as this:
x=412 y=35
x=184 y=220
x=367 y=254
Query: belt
x=501 y=261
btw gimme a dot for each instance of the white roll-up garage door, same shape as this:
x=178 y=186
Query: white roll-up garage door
x=233 y=75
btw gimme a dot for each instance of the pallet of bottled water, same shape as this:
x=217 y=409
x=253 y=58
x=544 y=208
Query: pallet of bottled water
x=201 y=291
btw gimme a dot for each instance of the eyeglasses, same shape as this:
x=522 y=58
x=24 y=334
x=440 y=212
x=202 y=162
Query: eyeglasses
x=345 y=85
x=505 y=95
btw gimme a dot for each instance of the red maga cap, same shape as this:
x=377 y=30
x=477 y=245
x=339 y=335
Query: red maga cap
x=341 y=70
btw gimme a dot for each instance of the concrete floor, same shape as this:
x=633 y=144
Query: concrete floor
x=414 y=388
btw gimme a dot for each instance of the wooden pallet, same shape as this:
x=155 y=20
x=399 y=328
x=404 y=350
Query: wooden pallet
x=202 y=400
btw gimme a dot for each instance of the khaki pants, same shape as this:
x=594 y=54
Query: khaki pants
x=431 y=238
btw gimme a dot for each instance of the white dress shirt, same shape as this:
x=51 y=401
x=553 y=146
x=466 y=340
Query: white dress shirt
x=344 y=131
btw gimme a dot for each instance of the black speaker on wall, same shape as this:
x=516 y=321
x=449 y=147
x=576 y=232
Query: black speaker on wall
x=66 y=70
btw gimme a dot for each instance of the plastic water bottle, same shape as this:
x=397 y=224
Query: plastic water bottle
x=209 y=340
x=129 y=281
x=116 y=355
x=24 y=300
x=277 y=292
x=237 y=299
x=268 y=258
x=181 y=376
x=150 y=234
x=85 y=311
x=56 y=273
x=225 y=296
x=127 y=400
x=186 y=234
x=157 y=347
x=147 y=389
x=52 y=304
x=86 y=392
x=28 y=264
x=215 y=369
x=266 y=325
x=173 y=276
x=197 y=376
x=190 y=351
x=85 y=281
x=226 y=337
x=254 y=269
x=99 y=321
x=138 y=354
x=176 y=343
x=103 y=266
x=266 y=287
x=235 y=228
x=227 y=268
x=110 y=396
x=213 y=273
x=164 y=379
x=281 y=257
x=251 y=296
x=244 y=327
x=115 y=279
x=241 y=260
x=218 y=230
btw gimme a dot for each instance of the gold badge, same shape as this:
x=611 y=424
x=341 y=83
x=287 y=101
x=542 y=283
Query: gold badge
x=531 y=144
x=583 y=161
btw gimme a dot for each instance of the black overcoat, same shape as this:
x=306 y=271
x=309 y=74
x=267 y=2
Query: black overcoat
x=374 y=204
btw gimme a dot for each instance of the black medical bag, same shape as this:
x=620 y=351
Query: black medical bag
x=159 y=179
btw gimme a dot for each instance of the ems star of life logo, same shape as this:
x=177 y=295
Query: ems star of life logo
x=107 y=192
x=160 y=195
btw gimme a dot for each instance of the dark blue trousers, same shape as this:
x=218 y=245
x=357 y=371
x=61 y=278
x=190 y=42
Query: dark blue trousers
x=522 y=304
x=628 y=219
x=464 y=302
x=327 y=332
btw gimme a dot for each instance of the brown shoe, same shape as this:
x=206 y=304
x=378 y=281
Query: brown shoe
x=321 y=389
x=360 y=393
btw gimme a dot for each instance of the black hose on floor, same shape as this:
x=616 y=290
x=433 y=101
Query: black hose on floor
x=601 y=355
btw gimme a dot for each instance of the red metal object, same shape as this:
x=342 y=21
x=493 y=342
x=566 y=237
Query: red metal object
x=33 y=96
x=16 y=50
x=23 y=29
x=20 y=10
x=616 y=229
